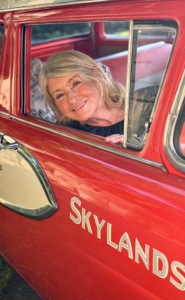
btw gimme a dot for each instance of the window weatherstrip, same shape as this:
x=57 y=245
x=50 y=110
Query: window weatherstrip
x=170 y=150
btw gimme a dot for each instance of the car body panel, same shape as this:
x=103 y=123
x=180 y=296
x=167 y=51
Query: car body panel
x=134 y=201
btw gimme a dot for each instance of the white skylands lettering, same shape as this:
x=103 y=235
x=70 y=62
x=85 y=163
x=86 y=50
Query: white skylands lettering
x=160 y=265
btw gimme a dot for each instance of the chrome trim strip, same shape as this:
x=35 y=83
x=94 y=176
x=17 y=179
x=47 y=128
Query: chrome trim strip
x=4 y=113
x=94 y=144
x=127 y=94
x=175 y=159
x=34 y=214
x=7 y=5
x=152 y=27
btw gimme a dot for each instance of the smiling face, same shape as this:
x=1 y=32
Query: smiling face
x=76 y=98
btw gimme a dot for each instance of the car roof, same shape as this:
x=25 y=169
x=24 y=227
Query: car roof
x=21 y=4
x=8 y=5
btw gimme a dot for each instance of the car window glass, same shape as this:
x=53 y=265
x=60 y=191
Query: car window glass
x=146 y=76
x=182 y=140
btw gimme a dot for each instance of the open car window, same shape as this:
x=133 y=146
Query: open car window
x=140 y=69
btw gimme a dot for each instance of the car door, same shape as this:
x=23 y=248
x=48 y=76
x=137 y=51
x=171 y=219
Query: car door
x=116 y=214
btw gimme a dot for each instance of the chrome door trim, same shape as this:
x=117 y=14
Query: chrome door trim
x=92 y=143
x=4 y=113
x=40 y=174
x=39 y=210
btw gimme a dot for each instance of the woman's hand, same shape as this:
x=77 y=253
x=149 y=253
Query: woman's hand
x=114 y=139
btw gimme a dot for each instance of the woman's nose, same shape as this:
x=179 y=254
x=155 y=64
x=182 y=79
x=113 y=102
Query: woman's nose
x=71 y=96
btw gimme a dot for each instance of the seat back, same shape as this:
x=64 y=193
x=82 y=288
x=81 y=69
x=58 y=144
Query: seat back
x=150 y=64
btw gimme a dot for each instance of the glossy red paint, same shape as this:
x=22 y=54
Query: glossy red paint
x=143 y=203
x=140 y=206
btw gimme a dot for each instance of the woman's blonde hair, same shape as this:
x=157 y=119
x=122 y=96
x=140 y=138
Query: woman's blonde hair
x=71 y=62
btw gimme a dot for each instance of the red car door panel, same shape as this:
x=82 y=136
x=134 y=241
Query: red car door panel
x=113 y=227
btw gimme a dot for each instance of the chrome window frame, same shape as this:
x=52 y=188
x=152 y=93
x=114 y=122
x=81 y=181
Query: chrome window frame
x=172 y=119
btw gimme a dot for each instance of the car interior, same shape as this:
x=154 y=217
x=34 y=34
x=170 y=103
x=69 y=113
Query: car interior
x=108 y=43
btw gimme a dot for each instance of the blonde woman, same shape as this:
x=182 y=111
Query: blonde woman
x=83 y=95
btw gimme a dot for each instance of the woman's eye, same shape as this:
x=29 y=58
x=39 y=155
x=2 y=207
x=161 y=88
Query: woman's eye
x=76 y=83
x=59 y=96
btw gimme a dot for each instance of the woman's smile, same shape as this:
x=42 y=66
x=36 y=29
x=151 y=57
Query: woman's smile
x=80 y=106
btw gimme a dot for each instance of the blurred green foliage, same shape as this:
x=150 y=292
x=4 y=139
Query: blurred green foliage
x=117 y=27
x=5 y=275
x=45 y=32
x=54 y=31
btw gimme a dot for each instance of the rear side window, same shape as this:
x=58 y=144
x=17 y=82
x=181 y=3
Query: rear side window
x=179 y=135
x=117 y=28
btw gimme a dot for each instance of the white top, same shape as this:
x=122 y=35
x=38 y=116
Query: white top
x=39 y=108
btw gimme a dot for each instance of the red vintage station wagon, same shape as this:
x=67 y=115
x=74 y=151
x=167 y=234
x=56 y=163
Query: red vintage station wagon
x=81 y=218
